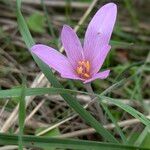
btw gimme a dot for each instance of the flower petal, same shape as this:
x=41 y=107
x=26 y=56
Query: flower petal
x=52 y=58
x=72 y=45
x=99 y=30
x=98 y=61
x=100 y=75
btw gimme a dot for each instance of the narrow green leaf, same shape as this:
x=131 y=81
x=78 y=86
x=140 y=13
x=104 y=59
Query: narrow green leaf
x=114 y=122
x=119 y=43
x=128 y=109
x=50 y=26
x=21 y=116
x=23 y=27
x=142 y=136
x=146 y=141
x=34 y=91
x=43 y=142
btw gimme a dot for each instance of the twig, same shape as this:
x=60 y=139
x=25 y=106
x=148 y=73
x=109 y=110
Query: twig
x=9 y=147
x=31 y=123
x=109 y=126
x=2 y=110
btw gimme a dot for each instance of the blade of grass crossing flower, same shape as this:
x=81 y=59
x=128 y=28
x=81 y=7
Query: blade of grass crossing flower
x=50 y=76
x=21 y=116
x=30 y=92
x=43 y=142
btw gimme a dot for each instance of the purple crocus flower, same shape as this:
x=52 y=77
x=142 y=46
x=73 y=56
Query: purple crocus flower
x=82 y=63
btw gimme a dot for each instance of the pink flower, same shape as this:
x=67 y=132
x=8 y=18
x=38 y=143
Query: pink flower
x=82 y=63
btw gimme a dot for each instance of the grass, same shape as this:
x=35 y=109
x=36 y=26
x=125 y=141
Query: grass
x=128 y=80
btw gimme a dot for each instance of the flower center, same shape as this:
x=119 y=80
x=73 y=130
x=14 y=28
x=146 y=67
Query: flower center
x=83 y=69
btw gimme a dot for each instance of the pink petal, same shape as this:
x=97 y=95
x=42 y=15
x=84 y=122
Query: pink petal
x=52 y=58
x=99 y=30
x=100 y=75
x=98 y=61
x=71 y=44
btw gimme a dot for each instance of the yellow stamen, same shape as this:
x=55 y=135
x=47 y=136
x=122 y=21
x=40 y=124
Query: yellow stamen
x=79 y=70
x=83 y=69
x=87 y=66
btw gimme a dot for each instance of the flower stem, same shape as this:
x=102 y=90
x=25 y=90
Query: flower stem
x=99 y=110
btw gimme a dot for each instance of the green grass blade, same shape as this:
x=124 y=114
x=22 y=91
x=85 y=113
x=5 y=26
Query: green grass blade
x=21 y=116
x=142 y=136
x=118 y=129
x=119 y=43
x=35 y=91
x=128 y=109
x=23 y=28
x=131 y=10
x=73 y=103
x=43 y=142
x=50 y=27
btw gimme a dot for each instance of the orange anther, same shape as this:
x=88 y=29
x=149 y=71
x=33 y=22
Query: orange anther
x=83 y=69
x=86 y=75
